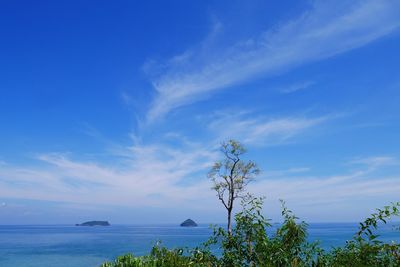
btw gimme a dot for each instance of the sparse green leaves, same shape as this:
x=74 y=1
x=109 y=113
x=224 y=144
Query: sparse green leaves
x=231 y=175
x=381 y=215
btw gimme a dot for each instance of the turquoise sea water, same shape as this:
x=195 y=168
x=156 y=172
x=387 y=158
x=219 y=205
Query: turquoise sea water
x=72 y=246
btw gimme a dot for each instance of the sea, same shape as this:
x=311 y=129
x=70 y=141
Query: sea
x=83 y=246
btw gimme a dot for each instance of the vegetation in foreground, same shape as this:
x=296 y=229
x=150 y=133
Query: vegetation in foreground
x=250 y=245
x=247 y=243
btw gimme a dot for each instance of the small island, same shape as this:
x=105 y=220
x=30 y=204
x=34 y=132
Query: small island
x=189 y=223
x=94 y=223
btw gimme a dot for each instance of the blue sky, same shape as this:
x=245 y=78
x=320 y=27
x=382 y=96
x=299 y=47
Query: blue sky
x=115 y=110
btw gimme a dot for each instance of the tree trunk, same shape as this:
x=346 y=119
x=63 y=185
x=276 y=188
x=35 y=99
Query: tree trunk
x=229 y=222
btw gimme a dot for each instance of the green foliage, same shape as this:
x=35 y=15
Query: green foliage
x=232 y=174
x=161 y=256
x=365 y=249
x=249 y=244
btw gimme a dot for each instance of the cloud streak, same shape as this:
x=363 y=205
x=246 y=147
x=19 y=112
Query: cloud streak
x=262 y=130
x=147 y=176
x=296 y=87
x=156 y=181
x=338 y=193
x=327 y=29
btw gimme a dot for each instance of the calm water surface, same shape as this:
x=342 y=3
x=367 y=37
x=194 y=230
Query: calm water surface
x=72 y=246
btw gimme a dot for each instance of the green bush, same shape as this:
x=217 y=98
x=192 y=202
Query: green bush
x=250 y=245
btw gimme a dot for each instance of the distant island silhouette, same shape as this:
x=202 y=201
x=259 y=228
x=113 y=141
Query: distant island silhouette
x=94 y=223
x=189 y=223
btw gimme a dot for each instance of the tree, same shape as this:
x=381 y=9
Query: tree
x=231 y=176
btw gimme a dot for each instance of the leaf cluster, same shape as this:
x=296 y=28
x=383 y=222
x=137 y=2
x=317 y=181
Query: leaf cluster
x=231 y=175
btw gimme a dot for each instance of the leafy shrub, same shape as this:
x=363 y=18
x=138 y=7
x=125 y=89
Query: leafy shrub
x=250 y=245
x=161 y=256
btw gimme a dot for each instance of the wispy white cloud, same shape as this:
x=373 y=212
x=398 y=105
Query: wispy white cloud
x=328 y=29
x=126 y=98
x=312 y=195
x=145 y=172
x=376 y=162
x=261 y=130
x=290 y=171
x=146 y=175
x=296 y=87
x=156 y=177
